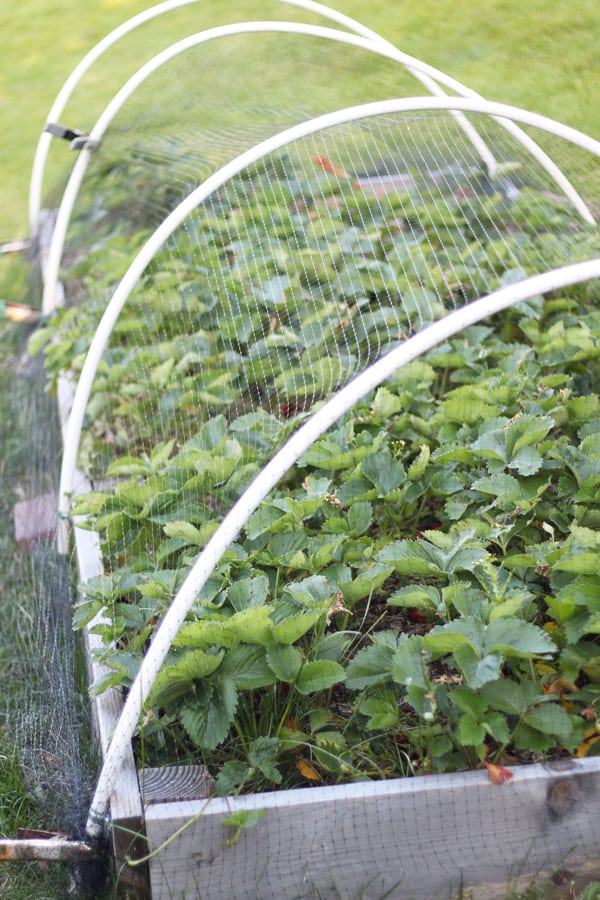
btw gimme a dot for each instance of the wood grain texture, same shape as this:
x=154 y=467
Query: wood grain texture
x=421 y=837
x=174 y=784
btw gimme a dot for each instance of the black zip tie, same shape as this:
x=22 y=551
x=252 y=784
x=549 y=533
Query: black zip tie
x=61 y=131
x=78 y=139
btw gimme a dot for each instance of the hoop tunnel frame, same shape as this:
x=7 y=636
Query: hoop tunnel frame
x=340 y=403
x=217 y=180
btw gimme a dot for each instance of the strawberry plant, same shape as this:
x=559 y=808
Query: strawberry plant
x=419 y=593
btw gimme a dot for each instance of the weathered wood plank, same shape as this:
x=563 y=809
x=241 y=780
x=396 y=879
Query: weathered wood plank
x=421 y=837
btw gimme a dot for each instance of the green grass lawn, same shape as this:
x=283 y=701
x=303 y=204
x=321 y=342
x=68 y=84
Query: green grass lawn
x=541 y=54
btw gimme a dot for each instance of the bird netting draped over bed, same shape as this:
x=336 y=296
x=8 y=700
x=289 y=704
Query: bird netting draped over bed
x=45 y=713
x=235 y=275
x=291 y=279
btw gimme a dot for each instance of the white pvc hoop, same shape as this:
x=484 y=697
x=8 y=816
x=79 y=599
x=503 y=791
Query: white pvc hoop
x=217 y=180
x=258 y=490
x=62 y=98
x=65 y=210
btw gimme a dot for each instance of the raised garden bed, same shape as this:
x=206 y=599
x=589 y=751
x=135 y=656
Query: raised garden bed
x=416 y=597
